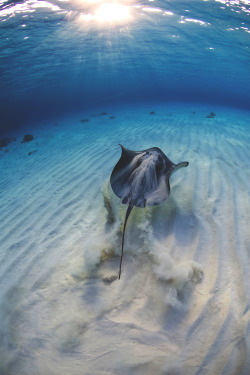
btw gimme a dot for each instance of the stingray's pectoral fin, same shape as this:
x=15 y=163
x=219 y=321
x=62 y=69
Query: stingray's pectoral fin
x=129 y=209
x=180 y=165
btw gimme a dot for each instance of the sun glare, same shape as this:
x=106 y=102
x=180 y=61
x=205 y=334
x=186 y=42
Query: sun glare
x=112 y=12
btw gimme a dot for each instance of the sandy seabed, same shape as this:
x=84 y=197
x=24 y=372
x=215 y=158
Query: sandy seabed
x=182 y=306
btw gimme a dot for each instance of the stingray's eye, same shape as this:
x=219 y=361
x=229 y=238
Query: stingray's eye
x=146 y=155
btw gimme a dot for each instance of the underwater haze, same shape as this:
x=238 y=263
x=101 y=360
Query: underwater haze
x=60 y=56
x=78 y=78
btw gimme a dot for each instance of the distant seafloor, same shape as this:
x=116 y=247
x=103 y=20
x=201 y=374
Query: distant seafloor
x=182 y=304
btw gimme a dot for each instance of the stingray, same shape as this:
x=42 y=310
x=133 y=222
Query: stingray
x=141 y=178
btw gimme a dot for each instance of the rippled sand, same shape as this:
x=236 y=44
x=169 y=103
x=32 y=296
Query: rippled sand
x=182 y=304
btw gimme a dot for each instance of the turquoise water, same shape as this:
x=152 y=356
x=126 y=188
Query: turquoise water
x=182 y=305
x=81 y=77
x=57 y=57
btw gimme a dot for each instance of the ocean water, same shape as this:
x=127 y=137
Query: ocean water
x=82 y=77
x=60 y=56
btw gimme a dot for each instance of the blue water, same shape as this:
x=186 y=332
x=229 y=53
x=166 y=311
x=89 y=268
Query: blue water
x=57 y=58
x=80 y=85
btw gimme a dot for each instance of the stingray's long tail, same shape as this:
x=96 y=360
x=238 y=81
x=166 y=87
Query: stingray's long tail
x=129 y=209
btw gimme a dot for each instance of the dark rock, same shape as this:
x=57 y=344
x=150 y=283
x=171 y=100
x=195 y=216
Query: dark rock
x=112 y=117
x=32 y=152
x=4 y=142
x=27 y=138
x=84 y=120
x=152 y=113
x=212 y=115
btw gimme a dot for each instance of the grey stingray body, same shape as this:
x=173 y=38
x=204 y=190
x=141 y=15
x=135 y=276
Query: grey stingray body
x=141 y=178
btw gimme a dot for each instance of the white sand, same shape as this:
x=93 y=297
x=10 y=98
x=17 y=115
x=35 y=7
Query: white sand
x=182 y=304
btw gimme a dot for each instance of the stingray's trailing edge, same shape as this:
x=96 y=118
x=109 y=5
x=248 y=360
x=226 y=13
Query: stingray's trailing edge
x=141 y=178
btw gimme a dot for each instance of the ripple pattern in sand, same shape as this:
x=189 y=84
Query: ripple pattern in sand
x=54 y=316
